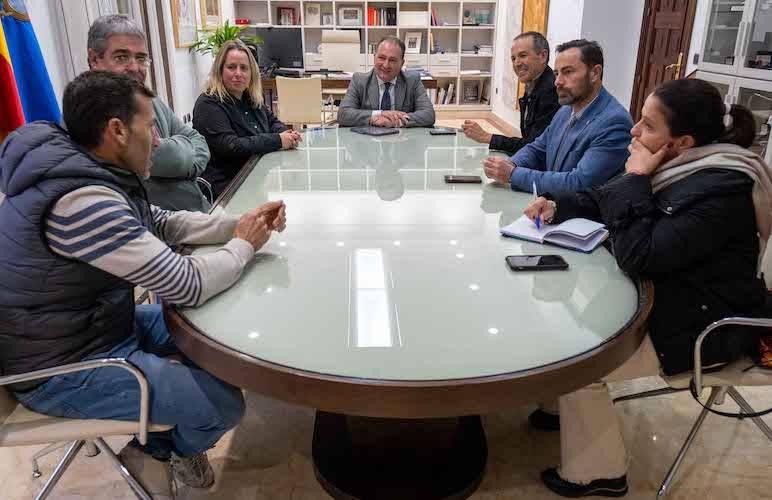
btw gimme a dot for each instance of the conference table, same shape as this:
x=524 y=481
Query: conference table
x=387 y=305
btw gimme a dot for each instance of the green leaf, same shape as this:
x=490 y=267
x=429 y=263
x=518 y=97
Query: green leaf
x=210 y=41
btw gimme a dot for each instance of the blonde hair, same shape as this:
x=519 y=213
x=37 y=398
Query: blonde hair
x=214 y=84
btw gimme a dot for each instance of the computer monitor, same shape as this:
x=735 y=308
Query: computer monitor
x=281 y=46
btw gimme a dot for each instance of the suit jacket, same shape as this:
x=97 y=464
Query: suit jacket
x=362 y=98
x=593 y=151
x=541 y=105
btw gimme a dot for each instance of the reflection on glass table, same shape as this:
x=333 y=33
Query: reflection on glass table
x=334 y=159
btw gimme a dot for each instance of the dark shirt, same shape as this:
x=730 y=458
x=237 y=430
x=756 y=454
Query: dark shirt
x=234 y=130
x=537 y=108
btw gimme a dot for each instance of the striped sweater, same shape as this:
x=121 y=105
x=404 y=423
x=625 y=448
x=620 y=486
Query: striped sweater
x=95 y=225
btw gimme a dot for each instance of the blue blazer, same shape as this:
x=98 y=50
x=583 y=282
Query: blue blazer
x=593 y=151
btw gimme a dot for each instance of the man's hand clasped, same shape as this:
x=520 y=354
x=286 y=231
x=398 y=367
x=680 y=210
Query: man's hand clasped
x=256 y=225
x=390 y=119
x=290 y=139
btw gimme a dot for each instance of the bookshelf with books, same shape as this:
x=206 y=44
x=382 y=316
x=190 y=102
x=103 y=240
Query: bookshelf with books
x=452 y=40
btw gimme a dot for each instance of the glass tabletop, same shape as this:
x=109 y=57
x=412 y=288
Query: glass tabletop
x=387 y=272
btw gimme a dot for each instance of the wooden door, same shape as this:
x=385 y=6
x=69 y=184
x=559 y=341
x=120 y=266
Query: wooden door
x=666 y=30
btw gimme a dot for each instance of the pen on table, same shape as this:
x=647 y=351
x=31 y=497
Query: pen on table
x=537 y=220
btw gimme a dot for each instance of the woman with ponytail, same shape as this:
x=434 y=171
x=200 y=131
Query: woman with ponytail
x=692 y=213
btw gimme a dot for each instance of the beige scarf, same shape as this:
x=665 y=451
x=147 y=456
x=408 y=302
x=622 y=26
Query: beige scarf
x=730 y=157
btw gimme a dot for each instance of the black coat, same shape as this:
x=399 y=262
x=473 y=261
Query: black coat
x=542 y=104
x=697 y=241
x=231 y=139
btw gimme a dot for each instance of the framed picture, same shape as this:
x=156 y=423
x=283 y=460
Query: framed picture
x=413 y=42
x=184 y=22
x=210 y=14
x=327 y=19
x=350 y=16
x=313 y=14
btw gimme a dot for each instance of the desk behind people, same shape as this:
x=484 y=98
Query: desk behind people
x=386 y=96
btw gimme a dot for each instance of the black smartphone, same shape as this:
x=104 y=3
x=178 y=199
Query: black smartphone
x=463 y=179
x=536 y=262
x=442 y=131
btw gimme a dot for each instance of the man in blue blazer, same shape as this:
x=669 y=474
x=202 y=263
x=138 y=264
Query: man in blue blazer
x=586 y=142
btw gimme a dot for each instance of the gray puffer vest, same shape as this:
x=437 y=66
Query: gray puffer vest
x=55 y=310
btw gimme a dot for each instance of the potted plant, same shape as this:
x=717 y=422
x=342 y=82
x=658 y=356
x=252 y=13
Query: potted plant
x=210 y=41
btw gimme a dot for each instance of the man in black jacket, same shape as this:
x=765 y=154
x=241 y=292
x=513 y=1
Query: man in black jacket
x=530 y=55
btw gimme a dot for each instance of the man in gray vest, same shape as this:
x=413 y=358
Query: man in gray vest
x=117 y=44
x=76 y=235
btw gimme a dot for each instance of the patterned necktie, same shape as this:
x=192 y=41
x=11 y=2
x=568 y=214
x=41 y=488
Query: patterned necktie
x=386 y=99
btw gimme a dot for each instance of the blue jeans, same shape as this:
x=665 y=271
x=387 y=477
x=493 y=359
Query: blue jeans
x=200 y=406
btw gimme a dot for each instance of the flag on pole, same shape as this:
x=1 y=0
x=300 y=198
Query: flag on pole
x=26 y=93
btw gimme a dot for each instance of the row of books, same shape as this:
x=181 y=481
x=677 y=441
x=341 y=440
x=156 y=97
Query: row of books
x=473 y=92
x=384 y=16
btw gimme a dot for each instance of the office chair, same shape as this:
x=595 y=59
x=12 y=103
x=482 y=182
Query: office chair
x=721 y=382
x=22 y=427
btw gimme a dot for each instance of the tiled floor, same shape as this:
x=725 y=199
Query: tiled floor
x=268 y=456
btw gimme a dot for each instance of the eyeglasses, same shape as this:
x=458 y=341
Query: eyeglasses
x=125 y=60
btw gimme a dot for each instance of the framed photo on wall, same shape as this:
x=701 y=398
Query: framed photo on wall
x=413 y=42
x=210 y=14
x=184 y=22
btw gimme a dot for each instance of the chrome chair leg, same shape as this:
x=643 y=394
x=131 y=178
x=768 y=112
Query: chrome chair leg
x=682 y=452
x=45 y=451
x=63 y=465
x=747 y=408
x=141 y=493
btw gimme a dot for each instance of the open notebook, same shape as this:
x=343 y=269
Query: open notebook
x=577 y=234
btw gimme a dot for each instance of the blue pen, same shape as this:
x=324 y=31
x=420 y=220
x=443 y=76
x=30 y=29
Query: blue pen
x=537 y=221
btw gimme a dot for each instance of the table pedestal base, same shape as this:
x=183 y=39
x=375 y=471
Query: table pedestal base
x=367 y=458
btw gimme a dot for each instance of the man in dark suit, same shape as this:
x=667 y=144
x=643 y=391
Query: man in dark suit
x=386 y=96
x=585 y=144
x=530 y=55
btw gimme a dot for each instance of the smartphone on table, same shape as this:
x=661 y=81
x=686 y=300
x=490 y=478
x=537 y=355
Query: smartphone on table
x=463 y=179
x=536 y=262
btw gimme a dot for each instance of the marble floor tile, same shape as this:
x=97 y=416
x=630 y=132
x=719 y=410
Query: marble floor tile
x=268 y=457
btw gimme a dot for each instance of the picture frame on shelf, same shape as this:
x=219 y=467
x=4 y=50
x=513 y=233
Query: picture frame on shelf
x=286 y=16
x=413 y=42
x=327 y=19
x=184 y=23
x=211 y=14
x=313 y=14
x=350 y=16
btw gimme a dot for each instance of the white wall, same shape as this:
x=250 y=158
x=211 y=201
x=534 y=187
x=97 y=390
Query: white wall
x=503 y=94
x=695 y=46
x=184 y=73
x=564 y=22
x=43 y=14
x=619 y=39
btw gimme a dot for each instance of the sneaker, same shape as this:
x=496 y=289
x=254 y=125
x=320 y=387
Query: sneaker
x=600 y=487
x=544 y=421
x=194 y=470
x=153 y=475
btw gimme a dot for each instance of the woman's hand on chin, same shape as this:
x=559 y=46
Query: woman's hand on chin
x=642 y=161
